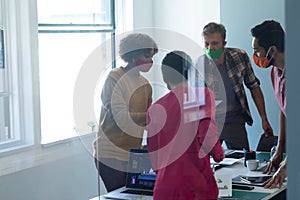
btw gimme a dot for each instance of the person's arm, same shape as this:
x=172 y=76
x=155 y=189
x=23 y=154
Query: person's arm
x=152 y=144
x=208 y=133
x=259 y=101
x=253 y=84
x=140 y=117
x=115 y=100
x=278 y=177
x=282 y=133
x=277 y=157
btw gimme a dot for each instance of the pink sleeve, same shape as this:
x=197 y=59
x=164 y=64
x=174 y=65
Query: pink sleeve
x=209 y=135
x=209 y=140
x=151 y=140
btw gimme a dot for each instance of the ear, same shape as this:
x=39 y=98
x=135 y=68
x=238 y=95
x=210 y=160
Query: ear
x=273 y=50
x=224 y=43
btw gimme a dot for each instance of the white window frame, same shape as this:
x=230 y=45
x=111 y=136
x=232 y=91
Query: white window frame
x=19 y=20
x=21 y=66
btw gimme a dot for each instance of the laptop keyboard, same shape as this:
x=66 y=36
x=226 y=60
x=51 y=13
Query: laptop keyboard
x=139 y=192
x=236 y=155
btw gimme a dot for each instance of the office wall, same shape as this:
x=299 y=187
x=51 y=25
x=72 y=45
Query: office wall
x=176 y=25
x=239 y=17
x=71 y=178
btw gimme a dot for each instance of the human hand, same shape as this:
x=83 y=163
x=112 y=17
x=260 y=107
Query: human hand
x=268 y=131
x=277 y=178
x=274 y=162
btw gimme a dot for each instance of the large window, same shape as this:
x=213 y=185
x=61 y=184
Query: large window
x=17 y=90
x=69 y=31
x=43 y=45
x=4 y=112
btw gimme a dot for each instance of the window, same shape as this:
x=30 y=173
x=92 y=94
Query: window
x=69 y=32
x=43 y=46
x=17 y=92
x=4 y=112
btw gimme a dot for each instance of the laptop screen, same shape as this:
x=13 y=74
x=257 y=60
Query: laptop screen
x=140 y=174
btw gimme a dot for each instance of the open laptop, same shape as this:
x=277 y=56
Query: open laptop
x=140 y=178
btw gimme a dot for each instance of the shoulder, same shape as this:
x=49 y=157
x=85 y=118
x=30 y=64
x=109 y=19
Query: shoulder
x=116 y=73
x=164 y=101
x=236 y=56
x=235 y=51
x=144 y=80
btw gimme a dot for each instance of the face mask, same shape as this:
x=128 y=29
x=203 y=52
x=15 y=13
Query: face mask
x=213 y=54
x=144 y=66
x=263 y=62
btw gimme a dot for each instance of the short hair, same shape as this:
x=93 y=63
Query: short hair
x=213 y=27
x=135 y=45
x=269 y=33
x=175 y=67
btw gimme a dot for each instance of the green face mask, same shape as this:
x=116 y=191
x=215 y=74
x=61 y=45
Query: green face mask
x=213 y=54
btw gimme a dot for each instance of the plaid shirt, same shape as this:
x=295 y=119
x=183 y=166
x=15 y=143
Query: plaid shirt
x=239 y=70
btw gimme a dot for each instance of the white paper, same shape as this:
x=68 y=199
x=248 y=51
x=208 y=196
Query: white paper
x=225 y=161
x=224 y=183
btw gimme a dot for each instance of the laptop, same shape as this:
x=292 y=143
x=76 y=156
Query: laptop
x=140 y=178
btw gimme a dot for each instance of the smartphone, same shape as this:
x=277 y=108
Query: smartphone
x=256 y=179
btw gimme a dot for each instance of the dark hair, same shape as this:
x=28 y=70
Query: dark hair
x=135 y=45
x=175 y=66
x=213 y=27
x=269 y=33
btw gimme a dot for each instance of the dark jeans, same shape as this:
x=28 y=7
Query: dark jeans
x=235 y=136
x=112 y=172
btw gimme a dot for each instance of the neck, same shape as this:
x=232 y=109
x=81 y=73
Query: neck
x=279 y=62
x=220 y=61
x=132 y=69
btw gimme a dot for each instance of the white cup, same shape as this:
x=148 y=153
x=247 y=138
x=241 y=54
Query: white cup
x=252 y=164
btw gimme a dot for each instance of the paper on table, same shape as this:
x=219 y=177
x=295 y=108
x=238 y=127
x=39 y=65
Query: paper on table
x=225 y=161
x=224 y=183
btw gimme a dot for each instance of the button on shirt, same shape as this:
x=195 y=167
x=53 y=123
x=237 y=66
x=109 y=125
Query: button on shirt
x=278 y=82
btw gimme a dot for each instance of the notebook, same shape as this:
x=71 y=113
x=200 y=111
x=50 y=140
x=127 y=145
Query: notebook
x=140 y=178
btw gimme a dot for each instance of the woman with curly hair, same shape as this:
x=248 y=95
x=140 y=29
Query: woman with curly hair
x=126 y=96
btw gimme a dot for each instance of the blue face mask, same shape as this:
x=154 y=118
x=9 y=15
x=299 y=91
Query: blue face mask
x=213 y=54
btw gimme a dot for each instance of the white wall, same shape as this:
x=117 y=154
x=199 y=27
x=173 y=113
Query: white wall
x=186 y=17
x=72 y=177
x=175 y=25
x=239 y=17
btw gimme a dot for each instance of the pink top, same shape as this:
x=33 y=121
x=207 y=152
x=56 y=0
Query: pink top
x=180 y=141
x=278 y=82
